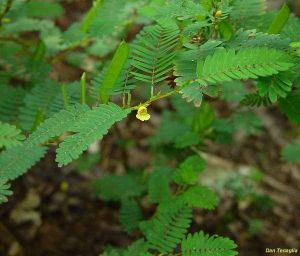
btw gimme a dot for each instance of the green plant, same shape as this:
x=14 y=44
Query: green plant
x=195 y=49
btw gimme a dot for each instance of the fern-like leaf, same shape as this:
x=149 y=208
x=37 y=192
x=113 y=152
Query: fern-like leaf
x=159 y=185
x=36 y=105
x=291 y=30
x=251 y=38
x=93 y=125
x=228 y=65
x=169 y=226
x=116 y=188
x=138 y=248
x=11 y=99
x=4 y=190
x=246 y=13
x=189 y=170
x=255 y=100
x=153 y=53
x=57 y=124
x=200 y=244
x=277 y=86
x=202 y=197
x=130 y=214
x=9 y=135
x=17 y=160
x=125 y=83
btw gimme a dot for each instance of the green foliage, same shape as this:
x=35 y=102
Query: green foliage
x=196 y=49
x=115 y=188
x=224 y=130
x=37 y=105
x=91 y=16
x=201 y=197
x=57 y=124
x=91 y=127
x=290 y=106
x=247 y=122
x=246 y=12
x=138 y=248
x=244 y=64
x=159 y=185
x=189 y=170
x=114 y=71
x=130 y=214
x=10 y=135
x=233 y=91
x=105 y=24
x=153 y=53
x=291 y=29
x=277 y=86
x=169 y=226
x=175 y=131
x=254 y=99
x=280 y=20
x=125 y=83
x=41 y=9
x=17 y=160
x=203 y=119
x=255 y=226
x=252 y=38
x=291 y=153
x=193 y=94
x=10 y=103
x=166 y=10
x=5 y=191
x=201 y=244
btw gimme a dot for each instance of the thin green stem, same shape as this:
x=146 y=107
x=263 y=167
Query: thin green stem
x=128 y=99
x=83 y=88
x=154 y=98
x=124 y=100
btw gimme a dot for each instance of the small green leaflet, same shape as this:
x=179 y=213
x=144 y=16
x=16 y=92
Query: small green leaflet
x=9 y=135
x=189 y=170
x=114 y=71
x=4 y=190
x=201 y=197
x=280 y=20
x=90 y=16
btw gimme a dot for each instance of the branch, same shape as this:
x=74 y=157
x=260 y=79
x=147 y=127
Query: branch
x=154 y=98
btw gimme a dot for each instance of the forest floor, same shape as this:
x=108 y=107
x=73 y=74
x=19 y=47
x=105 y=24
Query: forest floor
x=52 y=211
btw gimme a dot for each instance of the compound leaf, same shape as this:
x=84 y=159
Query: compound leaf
x=92 y=126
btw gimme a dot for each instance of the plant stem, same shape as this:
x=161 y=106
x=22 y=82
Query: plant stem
x=155 y=98
x=128 y=99
x=83 y=88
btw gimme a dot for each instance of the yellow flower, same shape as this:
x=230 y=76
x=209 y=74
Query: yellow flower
x=218 y=14
x=142 y=114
